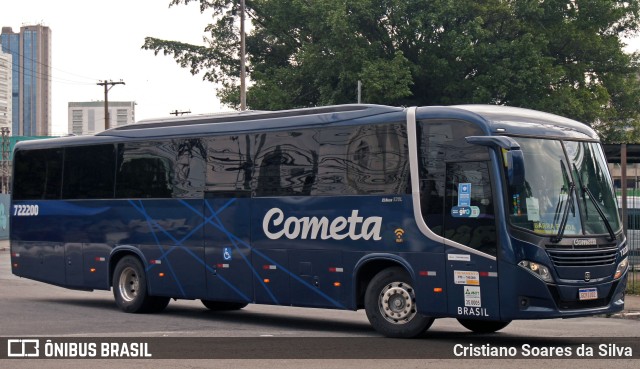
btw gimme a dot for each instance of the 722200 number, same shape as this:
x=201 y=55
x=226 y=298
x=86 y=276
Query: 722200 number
x=25 y=210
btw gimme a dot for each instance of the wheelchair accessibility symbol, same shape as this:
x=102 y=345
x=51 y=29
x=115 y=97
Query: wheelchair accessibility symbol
x=227 y=253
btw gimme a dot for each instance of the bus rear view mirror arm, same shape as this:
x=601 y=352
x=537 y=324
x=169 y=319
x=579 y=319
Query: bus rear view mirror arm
x=503 y=142
x=513 y=156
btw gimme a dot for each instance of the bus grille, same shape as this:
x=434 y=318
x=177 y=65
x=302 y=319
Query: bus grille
x=577 y=258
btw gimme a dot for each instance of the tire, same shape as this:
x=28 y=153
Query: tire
x=223 y=306
x=390 y=304
x=483 y=326
x=130 y=288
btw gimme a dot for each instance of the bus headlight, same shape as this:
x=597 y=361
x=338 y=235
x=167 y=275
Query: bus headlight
x=538 y=270
x=622 y=267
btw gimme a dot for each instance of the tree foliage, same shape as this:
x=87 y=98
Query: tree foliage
x=560 y=56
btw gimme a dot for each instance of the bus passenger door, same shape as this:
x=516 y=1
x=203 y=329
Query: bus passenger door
x=227 y=246
x=472 y=271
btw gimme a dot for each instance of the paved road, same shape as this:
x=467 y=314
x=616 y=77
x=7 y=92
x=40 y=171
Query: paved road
x=30 y=309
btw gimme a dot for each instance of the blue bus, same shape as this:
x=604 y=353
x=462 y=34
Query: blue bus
x=486 y=214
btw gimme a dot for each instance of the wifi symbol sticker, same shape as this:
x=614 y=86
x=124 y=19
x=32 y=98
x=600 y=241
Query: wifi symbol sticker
x=399 y=234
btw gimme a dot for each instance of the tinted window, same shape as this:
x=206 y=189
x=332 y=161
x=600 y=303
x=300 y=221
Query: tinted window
x=161 y=169
x=229 y=164
x=440 y=142
x=335 y=161
x=89 y=172
x=363 y=160
x=38 y=174
x=286 y=163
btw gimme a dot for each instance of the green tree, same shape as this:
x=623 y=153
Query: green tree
x=561 y=56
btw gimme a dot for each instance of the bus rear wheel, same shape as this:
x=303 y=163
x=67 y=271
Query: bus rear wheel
x=130 y=288
x=483 y=326
x=223 y=306
x=390 y=303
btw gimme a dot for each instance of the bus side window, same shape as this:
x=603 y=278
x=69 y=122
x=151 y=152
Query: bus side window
x=377 y=160
x=363 y=160
x=161 y=169
x=287 y=164
x=89 y=172
x=38 y=174
x=229 y=165
x=143 y=178
x=143 y=172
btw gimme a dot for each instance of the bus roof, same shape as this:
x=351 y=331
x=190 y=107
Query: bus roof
x=253 y=120
x=525 y=122
x=496 y=119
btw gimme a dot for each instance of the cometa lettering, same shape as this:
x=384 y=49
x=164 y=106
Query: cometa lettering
x=355 y=227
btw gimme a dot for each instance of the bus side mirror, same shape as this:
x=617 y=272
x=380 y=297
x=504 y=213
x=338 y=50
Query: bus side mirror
x=515 y=167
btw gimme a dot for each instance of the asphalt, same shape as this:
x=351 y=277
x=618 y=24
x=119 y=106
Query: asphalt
x=631 y=302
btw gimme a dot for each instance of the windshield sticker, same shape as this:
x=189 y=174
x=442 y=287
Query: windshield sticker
x=516 y=205
x=464 y=194
x=550 y=228
x=466 y=277
x=533 y=209
x=461 y=211
x=465 y=211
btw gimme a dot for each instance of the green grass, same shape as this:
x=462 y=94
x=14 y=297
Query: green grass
x=633 y=282
x=633 y=289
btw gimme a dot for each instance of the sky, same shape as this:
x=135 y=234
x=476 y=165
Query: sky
x=95 y=40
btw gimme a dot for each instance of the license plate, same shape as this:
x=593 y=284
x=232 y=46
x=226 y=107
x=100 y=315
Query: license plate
x=588 y=294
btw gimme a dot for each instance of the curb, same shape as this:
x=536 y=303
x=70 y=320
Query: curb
x=634 y=315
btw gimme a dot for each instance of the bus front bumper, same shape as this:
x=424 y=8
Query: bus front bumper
x=549 y=301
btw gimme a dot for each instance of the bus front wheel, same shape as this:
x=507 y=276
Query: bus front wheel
x=390 y=303
x=130 y=288
x=483 y=326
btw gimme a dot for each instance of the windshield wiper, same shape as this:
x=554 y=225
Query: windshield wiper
x=565 y=216
x=585 y=189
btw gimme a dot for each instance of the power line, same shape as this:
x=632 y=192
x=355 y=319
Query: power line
x=28 y=72
x=8 y=51
x=48 y=76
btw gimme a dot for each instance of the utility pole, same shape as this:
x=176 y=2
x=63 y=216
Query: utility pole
x=243 y=86
x=176 y=112
x=107 y=86
x=5 y=159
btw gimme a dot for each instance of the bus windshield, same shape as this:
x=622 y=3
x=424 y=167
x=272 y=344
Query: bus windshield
x=567 y=190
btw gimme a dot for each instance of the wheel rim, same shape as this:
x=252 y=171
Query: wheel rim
x=397 y=303
x=129 y=284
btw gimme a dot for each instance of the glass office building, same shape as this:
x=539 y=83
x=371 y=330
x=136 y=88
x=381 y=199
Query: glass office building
x=31 y=87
